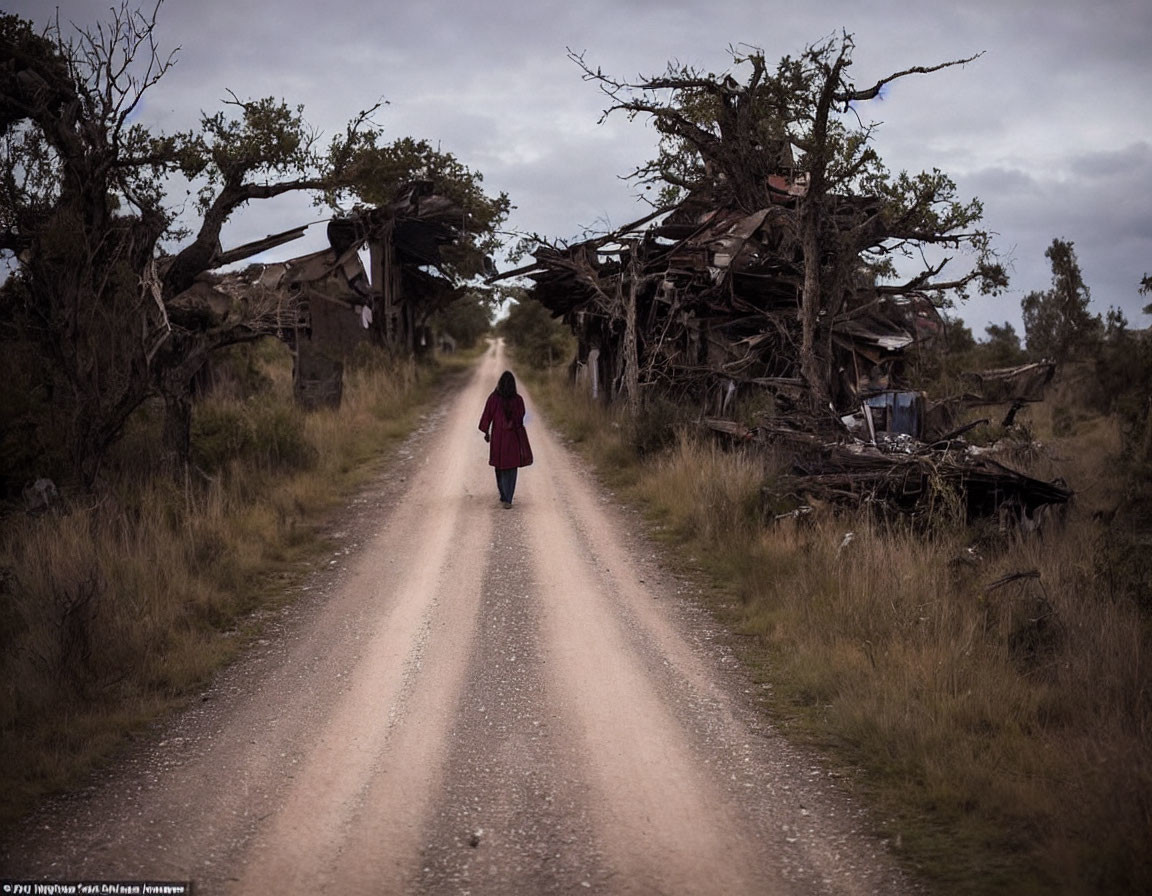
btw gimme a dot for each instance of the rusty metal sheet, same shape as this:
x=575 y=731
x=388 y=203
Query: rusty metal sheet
x=1027 y=382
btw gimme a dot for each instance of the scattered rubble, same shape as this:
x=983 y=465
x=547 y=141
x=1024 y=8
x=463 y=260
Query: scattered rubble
x=706 y=301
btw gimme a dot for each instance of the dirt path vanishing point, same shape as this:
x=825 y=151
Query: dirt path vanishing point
x=472 y=700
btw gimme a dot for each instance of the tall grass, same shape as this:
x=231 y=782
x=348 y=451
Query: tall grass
x=988 y=695
x=127 y=600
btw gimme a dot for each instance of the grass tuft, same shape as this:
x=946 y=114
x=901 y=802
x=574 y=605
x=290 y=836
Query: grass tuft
x=127 y=601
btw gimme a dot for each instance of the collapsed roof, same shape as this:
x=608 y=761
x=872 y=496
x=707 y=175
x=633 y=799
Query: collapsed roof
x=410 y=278
x=716 y=295
x=325 y=303
x=717 y=298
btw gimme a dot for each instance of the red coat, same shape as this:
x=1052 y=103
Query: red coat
x=507 y=432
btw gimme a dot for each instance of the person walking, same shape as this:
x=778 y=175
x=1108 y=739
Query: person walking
x=503 y=426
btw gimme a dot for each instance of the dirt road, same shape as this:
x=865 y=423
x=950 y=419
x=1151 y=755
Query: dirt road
x=472 y=699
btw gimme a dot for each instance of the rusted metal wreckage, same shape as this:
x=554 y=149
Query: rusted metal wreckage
x=706 y=301
x=325 y=304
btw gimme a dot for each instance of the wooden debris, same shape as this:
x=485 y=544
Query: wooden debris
x=324 y=304
x=702 y=304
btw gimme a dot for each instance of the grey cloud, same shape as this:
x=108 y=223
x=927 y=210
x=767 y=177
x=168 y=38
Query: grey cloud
x=1132 y=162
x=1001 y=181
x=1044 y=127
x=1101 y=209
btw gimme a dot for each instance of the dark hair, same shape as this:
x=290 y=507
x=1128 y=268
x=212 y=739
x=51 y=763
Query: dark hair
x=506 y=388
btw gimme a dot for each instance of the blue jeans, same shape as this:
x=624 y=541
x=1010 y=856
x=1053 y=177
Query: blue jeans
x=506 y=483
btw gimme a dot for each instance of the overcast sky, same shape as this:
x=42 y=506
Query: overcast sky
x=1050 y=128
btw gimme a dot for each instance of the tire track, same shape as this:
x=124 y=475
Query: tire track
x=369 y=777
x=666 y=827
x=512 y=817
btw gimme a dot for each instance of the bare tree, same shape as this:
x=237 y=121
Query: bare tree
x=83 y=210
x=794 y=135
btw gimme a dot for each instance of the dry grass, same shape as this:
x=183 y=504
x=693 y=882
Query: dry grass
x=1003 y=735
x=123 y=603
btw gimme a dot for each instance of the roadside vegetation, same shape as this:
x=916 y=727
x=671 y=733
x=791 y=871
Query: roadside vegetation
x=118 y=606
x=985 y=692
x=159 y=486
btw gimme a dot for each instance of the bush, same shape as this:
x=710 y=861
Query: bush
x=657 y=426
x=466 y=320
x=243 y=371
x=1123 y=384
x=268 y=436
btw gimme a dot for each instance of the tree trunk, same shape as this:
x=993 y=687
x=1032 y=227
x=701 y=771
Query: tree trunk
x=177 y=429
x=631 y=360
x=813 y=364
x=175 y=386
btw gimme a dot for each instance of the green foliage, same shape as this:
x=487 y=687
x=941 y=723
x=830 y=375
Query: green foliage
x=374 y=172
x=920 y=211
x=725 y=138
x=1122 y=384
x=466 y=319
x=1002 y=347
x=1057 y=323
x=935 y=366
x=536 y=336
x=958 y=337
x=1115 y=324
x=938 y=367
x=268 y=140
x=264 y=435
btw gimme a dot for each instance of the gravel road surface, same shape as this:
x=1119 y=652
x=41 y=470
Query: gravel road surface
x=470 y=699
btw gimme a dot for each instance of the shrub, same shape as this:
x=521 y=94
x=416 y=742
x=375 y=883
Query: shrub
x=657 y=426
x=536 y=336
x=270 y=436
